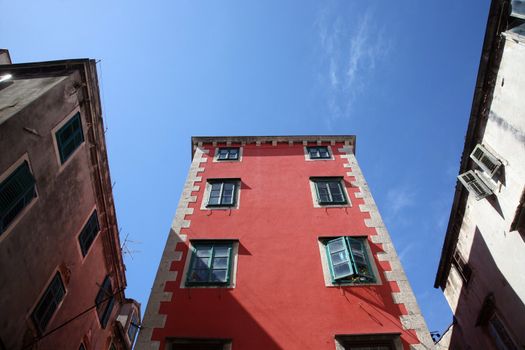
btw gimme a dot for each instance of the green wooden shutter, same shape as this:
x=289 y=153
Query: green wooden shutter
x=360 y=260
x=15 y=194
x=339 y=258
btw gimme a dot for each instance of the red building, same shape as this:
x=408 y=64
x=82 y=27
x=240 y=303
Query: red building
x=62 y=276
x=278 y=244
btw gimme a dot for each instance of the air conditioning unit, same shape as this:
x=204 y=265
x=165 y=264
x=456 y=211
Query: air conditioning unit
x=475 y=184
x=486 y=160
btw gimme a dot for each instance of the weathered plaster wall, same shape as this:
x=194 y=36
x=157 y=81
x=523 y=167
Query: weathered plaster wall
x=496 y=254
x=44 y=238
x=280 y=300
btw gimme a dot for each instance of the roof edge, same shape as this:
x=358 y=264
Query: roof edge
x=489 y=62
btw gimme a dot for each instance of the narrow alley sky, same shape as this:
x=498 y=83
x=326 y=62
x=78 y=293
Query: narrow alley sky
x=398 y=74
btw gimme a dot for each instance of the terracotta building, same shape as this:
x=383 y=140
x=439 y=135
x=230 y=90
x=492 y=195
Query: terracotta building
x=277 y=244
x=481 y=266
x=62 y=275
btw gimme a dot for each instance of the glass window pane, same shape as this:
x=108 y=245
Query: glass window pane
x=339 y=257
x=221 y=251
x=216 y=186
x=336 y=245
x=342 y=270
x=203 y=250
x=201 y=263
x=227 y=200
x=199 y=275
x=233 y=153
x=228 y=186
x=213 y=201
x=219 y=276
x=220 y=263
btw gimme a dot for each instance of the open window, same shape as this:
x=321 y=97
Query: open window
x=475 y=185
x=349 y=260
x=486 y=160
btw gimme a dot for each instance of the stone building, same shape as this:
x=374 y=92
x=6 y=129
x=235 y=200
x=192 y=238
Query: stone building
x=480 y=270
x=62 y=275
x=277 y=244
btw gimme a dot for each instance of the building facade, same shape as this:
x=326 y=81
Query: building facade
x=61 y=270
x=484 y=249
x=277 y=244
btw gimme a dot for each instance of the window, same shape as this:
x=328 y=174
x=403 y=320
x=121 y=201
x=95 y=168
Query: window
x=486 y=161
x=210 y=264
x=519 y=217
x=387 y=341
x=329 y=190
x=475 y=185
x=229 y=153
x=318 y=152
x=88 y=234
x=105 y=301
x=500 y=335
x=69 y=137
x=199 y=344
x=222 y=193
x=49 y=302
x=133 y=328
x=16 y=192
x=463 y=268
x=348 y=260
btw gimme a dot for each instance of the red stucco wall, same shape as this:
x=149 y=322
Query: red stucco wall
x=280 y=300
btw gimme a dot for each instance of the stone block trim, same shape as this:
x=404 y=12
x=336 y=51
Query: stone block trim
x=413 y=321
x=152 y=318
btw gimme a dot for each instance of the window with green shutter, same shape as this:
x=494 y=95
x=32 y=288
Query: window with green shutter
x=348 y=260
x=318 y=152
x=69 y=137
x=16 y=192
x=89 y=233
x=210 y=263
x=222 y=193
x=329 y=190
x=48 y=303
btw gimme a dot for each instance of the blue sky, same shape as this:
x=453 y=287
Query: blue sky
x=399 y=74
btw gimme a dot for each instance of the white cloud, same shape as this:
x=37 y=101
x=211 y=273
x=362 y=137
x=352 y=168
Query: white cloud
x=351 y=51
x=398 y=199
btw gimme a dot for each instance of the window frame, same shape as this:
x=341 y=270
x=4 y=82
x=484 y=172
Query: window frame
x=177 y=343
x=57 y=278
x=135 y=325
x=105 y=302
x=217 y=156
x=208 y=191
x=28 y=196
x=339 y=180
x=318 y=156
x=93 y=235
x=327 y=264
x=462 y=266
x=60 y=143
x=193 y=258
x=390 y=340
